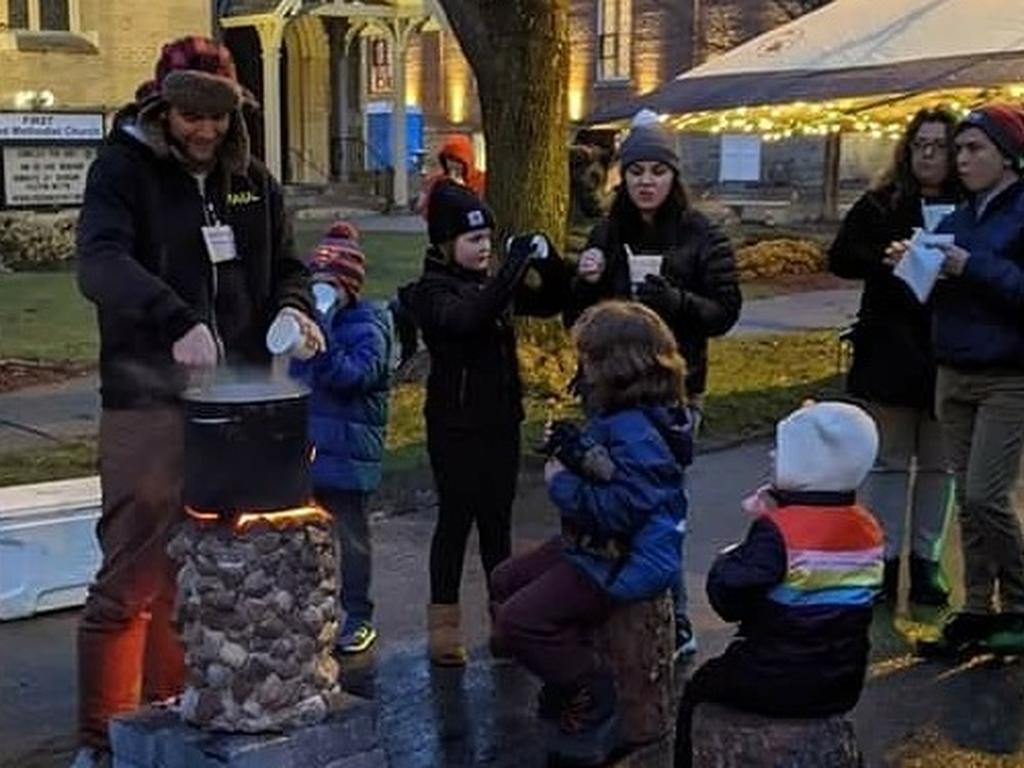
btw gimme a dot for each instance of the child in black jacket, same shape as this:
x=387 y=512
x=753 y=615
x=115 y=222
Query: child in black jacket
x=474 y=396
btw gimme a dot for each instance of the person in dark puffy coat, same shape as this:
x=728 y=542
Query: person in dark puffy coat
x=619 y=487
x=893 y=369
x=473 y=403
x=348 y=416
x=697 y=291
x=802 y=583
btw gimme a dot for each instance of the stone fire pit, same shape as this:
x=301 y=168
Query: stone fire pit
x=258 y=614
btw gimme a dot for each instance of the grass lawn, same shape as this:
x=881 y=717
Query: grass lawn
x=44 y=317
x=392 y=258
x=754 y=381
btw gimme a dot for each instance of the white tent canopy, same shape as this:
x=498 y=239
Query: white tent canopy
x=852 y=49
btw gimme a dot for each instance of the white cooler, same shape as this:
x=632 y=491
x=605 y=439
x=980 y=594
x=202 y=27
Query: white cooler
x=48 y=547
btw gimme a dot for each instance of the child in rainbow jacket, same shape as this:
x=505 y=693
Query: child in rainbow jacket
x=802 y=583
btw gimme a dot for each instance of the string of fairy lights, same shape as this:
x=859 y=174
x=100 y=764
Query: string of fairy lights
x=878 y=116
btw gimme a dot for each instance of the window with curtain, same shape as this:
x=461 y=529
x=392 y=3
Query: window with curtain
x=614 y=41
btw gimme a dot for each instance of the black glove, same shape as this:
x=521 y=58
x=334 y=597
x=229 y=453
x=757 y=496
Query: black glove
x=664 y=298
x=536 y=246
x=578 y=452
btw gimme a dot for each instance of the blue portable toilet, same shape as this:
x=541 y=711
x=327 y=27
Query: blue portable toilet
x=378 y=135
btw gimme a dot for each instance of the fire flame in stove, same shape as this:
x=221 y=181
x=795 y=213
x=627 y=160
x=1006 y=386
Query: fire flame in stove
x=277 y=519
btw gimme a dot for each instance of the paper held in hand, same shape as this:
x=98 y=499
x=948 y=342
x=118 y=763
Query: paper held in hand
x=934 y=213
x=920 y=266
x=641 y=265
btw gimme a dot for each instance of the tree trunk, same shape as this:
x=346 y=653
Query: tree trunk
x=638 y=640
x=519 y=52
x=727 y=738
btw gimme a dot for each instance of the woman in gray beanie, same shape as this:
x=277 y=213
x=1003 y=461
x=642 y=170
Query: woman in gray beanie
x=695 y=290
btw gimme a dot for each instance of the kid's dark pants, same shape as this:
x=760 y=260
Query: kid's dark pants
x=547 y=610
x=475 y=473
x=352 y=539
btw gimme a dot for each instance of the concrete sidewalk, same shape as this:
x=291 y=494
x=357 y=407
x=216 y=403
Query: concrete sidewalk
x=912 y=713
x=811 y=310
x=71 y=409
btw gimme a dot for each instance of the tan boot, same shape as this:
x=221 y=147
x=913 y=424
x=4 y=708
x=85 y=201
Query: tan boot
x=444 y=639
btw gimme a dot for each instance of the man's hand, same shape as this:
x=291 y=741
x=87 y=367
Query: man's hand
x=312 y=337
x=197 y=348
x=591 y=265
x=955 y=261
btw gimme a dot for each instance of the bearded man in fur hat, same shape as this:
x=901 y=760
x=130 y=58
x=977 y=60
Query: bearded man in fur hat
x=184 y=249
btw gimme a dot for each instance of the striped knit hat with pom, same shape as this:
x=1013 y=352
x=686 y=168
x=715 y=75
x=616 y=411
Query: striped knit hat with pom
x=339 y=259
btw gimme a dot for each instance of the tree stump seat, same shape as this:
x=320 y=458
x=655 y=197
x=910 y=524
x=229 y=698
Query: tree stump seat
x=728 y=738
x=638 y=641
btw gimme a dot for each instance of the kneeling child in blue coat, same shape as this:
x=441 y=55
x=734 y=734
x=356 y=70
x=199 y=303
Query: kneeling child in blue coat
x=618 y=485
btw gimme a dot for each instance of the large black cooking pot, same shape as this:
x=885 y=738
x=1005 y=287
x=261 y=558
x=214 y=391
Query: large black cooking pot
x=247 y=447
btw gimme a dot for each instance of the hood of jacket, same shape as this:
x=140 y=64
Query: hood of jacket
x=458 y=147
x=145 y=124
x=673 y=424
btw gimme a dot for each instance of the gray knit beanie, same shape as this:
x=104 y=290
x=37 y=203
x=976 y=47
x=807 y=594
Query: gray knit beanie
x=651 y=142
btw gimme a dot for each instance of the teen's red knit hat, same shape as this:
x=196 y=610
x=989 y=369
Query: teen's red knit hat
x=1004 y=125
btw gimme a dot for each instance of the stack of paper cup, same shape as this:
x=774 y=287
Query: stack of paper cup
x=285 y=337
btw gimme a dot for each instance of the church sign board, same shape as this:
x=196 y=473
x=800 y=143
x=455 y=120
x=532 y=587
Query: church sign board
x=45 y=157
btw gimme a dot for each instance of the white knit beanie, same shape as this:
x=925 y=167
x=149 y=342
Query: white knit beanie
x=824 y=447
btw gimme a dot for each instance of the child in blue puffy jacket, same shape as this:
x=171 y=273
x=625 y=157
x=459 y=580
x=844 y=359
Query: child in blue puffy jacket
x=348 y=416
x=618 y=485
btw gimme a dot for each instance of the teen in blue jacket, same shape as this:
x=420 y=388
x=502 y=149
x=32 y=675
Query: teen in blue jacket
x=619 y=488
x=979 y=345
x=348 y=416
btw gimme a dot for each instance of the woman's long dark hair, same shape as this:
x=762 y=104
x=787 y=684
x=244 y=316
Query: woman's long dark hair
x=899 y=177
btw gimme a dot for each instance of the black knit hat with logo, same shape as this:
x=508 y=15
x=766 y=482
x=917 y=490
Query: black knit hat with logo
x=454 y=209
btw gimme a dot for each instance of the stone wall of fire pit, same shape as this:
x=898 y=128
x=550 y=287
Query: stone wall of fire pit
x=257 y=611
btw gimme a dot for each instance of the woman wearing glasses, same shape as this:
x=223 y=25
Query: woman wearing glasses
x=893 y=367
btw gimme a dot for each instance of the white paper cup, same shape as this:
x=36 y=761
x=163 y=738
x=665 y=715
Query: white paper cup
x=642 y=265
